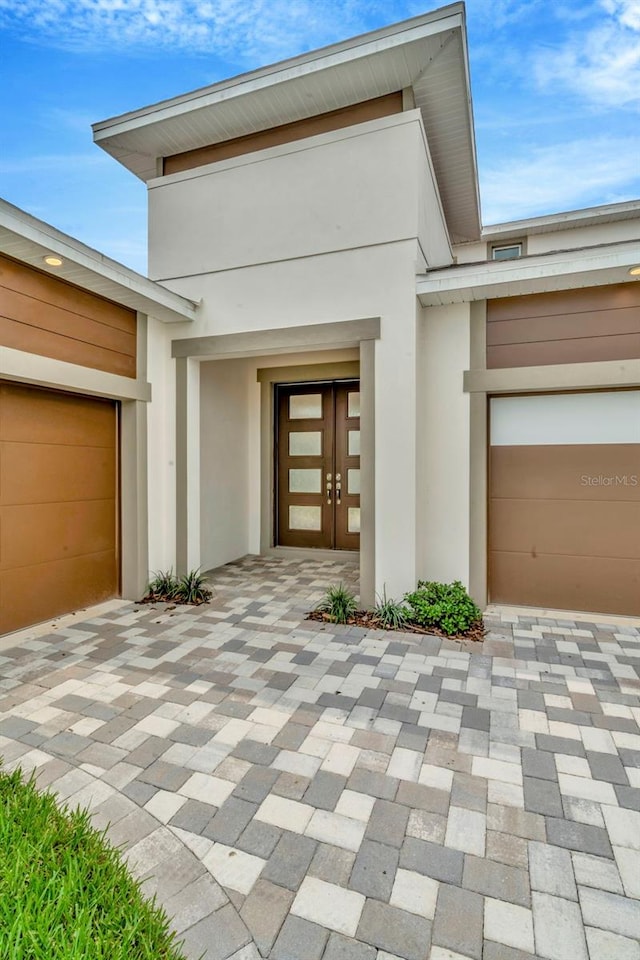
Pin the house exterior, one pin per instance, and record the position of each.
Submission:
(331, 353)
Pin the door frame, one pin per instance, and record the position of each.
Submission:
(364, 371)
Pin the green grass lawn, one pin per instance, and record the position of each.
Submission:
(65, 893)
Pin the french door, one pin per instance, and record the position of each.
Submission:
(318, 465)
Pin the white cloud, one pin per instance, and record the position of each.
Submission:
(247, 29)
(560, 177)
(600, 63)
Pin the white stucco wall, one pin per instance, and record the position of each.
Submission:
(433, 237)
(584, 236)
(572, 238)
(224, 461)
(331, 229)
(443, 430)
(343, 190)
(161, 452)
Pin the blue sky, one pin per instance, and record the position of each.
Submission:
(555, 83)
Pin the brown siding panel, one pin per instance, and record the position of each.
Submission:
(571, 326)
(45, 315)
(58, 504)
(286, 133)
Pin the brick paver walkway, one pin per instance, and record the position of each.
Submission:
(296, 791)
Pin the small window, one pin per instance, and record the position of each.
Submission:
(506, 251)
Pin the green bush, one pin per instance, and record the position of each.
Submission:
(192, 588)
(65, 892)
(165, 587)
(339, 603)
(447, 606)
(390, 614)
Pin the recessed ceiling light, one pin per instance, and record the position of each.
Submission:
(635, 271)
(53, 261)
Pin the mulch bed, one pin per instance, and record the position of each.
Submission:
(157, 598)
(363, 618)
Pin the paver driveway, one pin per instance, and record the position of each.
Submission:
(297, 791)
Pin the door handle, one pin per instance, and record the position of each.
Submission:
(338, 488)
(329, 489)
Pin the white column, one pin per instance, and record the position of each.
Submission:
(444, 434)
(133, 498)
(187, 464)
(395, 483)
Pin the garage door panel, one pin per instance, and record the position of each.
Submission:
(569, 527)
(38, 416)
(584, 583)
(59, 548)
(50, 589)
(38, 533)
(48, 473)
(564, 501)
(566, 472)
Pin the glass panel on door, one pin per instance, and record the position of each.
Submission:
(305, 481)
(305, 406)
(308, 444)
(305, 518)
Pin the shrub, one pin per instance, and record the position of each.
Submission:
(192, 588)
(390, 614)
(339, 603)
(166, 587)
(447, 606)
(163, 586)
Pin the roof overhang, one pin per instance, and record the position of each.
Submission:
(569, 220)
(563, 270)
(29, 240)
(427, 54)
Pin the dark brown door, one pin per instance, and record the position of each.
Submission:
(318, 465)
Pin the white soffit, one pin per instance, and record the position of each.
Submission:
(29, 240)
(427, 53)
(566, 270)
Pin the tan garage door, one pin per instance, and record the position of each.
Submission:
(564, 513)
(58, 504)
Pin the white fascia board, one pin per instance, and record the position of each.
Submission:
(325, 58)
(588, 216)
(89, 268)
(587, 267)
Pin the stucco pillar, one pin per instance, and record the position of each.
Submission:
(187, 464)
(133, 499)
(395, 448)
(444, 430)
(367, 473)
